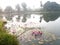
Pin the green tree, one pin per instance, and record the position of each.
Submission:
(2, 28)
(51, 6)
(8, 10)
(1, 12)
(50, 16)
(53, 10)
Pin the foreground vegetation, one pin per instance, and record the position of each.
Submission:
(5, 38)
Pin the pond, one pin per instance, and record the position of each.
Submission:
(51, 26)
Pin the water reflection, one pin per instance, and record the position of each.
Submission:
(51, 26)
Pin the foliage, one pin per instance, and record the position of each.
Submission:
(5, 38)
(2, 27)
(24, 5)
(53, 10)
(50, 16)
(51, 6)
(18, 9)
(8, 10)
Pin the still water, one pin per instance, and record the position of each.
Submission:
(51, 26)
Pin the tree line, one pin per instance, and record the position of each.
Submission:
(8, 11)
(52, 7)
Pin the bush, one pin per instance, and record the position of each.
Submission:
(2, 27)
(7, 39)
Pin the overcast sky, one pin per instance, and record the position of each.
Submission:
(30, 3)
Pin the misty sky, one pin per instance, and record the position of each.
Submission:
(30, 3)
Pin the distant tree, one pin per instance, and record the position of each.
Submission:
(1, 12)
(51, 6)
(29, 9)
(8, 10)
(41, 4)
(18, 9)
(54, 11)
(24, 6)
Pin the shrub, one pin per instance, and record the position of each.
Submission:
(2, 27)
(7, 39)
